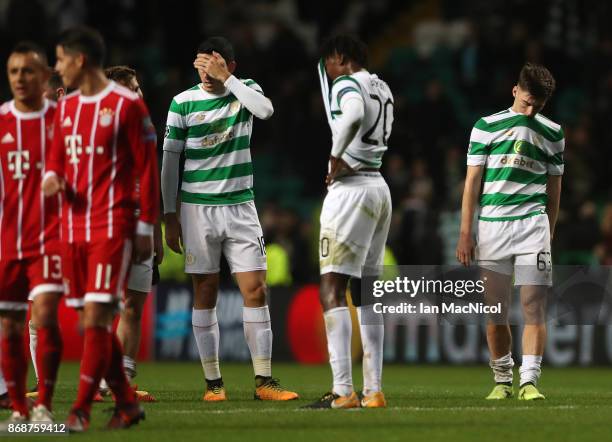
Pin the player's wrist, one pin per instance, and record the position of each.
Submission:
(230, 81)
(49, 174)
(144, 228)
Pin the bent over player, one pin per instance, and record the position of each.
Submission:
(103, 141)
(516, 156)
(355, 217)
(212, 123)
(30, 262)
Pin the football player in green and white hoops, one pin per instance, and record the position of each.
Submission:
(516, 157)
(355, 217)
(212, 123)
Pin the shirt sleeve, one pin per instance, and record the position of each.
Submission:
(142, 141)
(343, 89)
(556, 164)
(479, 147)
(55, 157)
(176, 129)
(250, 96)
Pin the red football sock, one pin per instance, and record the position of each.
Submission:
(116, 378)
(96, 356)
(15, 368)
(48, 355)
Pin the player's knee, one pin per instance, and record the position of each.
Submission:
(534, 310)
(44, 310)
(255, 296)
(332, 293)
(205, 289)
(12, 324)
(132, 308)
(96, 314)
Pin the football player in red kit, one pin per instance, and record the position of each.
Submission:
(30, 262)
(103, 142)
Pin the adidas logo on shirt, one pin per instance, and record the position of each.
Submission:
(8, 138)
(67, 122)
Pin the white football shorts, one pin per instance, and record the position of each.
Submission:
(522, 246)
(141, 276)
(209, 231)
(355, 221)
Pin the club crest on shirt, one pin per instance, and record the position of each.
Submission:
(235, 106)
(106, 117)
(8, 138)
(50, 131)
(518, 146)
(190, 258)
(201, 116)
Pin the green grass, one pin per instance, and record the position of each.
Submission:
(425, 404)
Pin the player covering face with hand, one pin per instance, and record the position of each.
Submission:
(516, 157)
(355, 217)
(211, 124)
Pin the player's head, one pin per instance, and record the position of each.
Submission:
(78, 50)
(28, 72)
(535, 86)
(344, 54)
(223, 47)
(55, 88)
(125, 76)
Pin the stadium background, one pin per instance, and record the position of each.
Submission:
(447, 62)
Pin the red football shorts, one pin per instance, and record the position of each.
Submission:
(24, 279)
(96, 271)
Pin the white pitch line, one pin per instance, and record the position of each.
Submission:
(426, 409)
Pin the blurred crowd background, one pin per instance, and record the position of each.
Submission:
(448, 62)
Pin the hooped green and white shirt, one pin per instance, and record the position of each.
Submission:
(518, 153)
(214, 131)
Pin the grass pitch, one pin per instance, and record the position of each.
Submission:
(425, 404)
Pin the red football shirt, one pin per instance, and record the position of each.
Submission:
(102, 145)
(29, 222)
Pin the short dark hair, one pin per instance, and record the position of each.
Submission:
(84, 40)
(121, 74)
(347, 46)
(537, 80)
(23, 47)
(220, 45)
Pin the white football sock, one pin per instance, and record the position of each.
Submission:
(530, 369)
(3, 389)
(372, 339)
(206, 332)
(33, 344)
(129, 366)
(103, 386)
(258, 334)
(338, 328)
(502, 368)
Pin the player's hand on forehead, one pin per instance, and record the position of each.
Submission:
(203, 61)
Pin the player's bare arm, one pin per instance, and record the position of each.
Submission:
(553, 190)
(465, 246)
